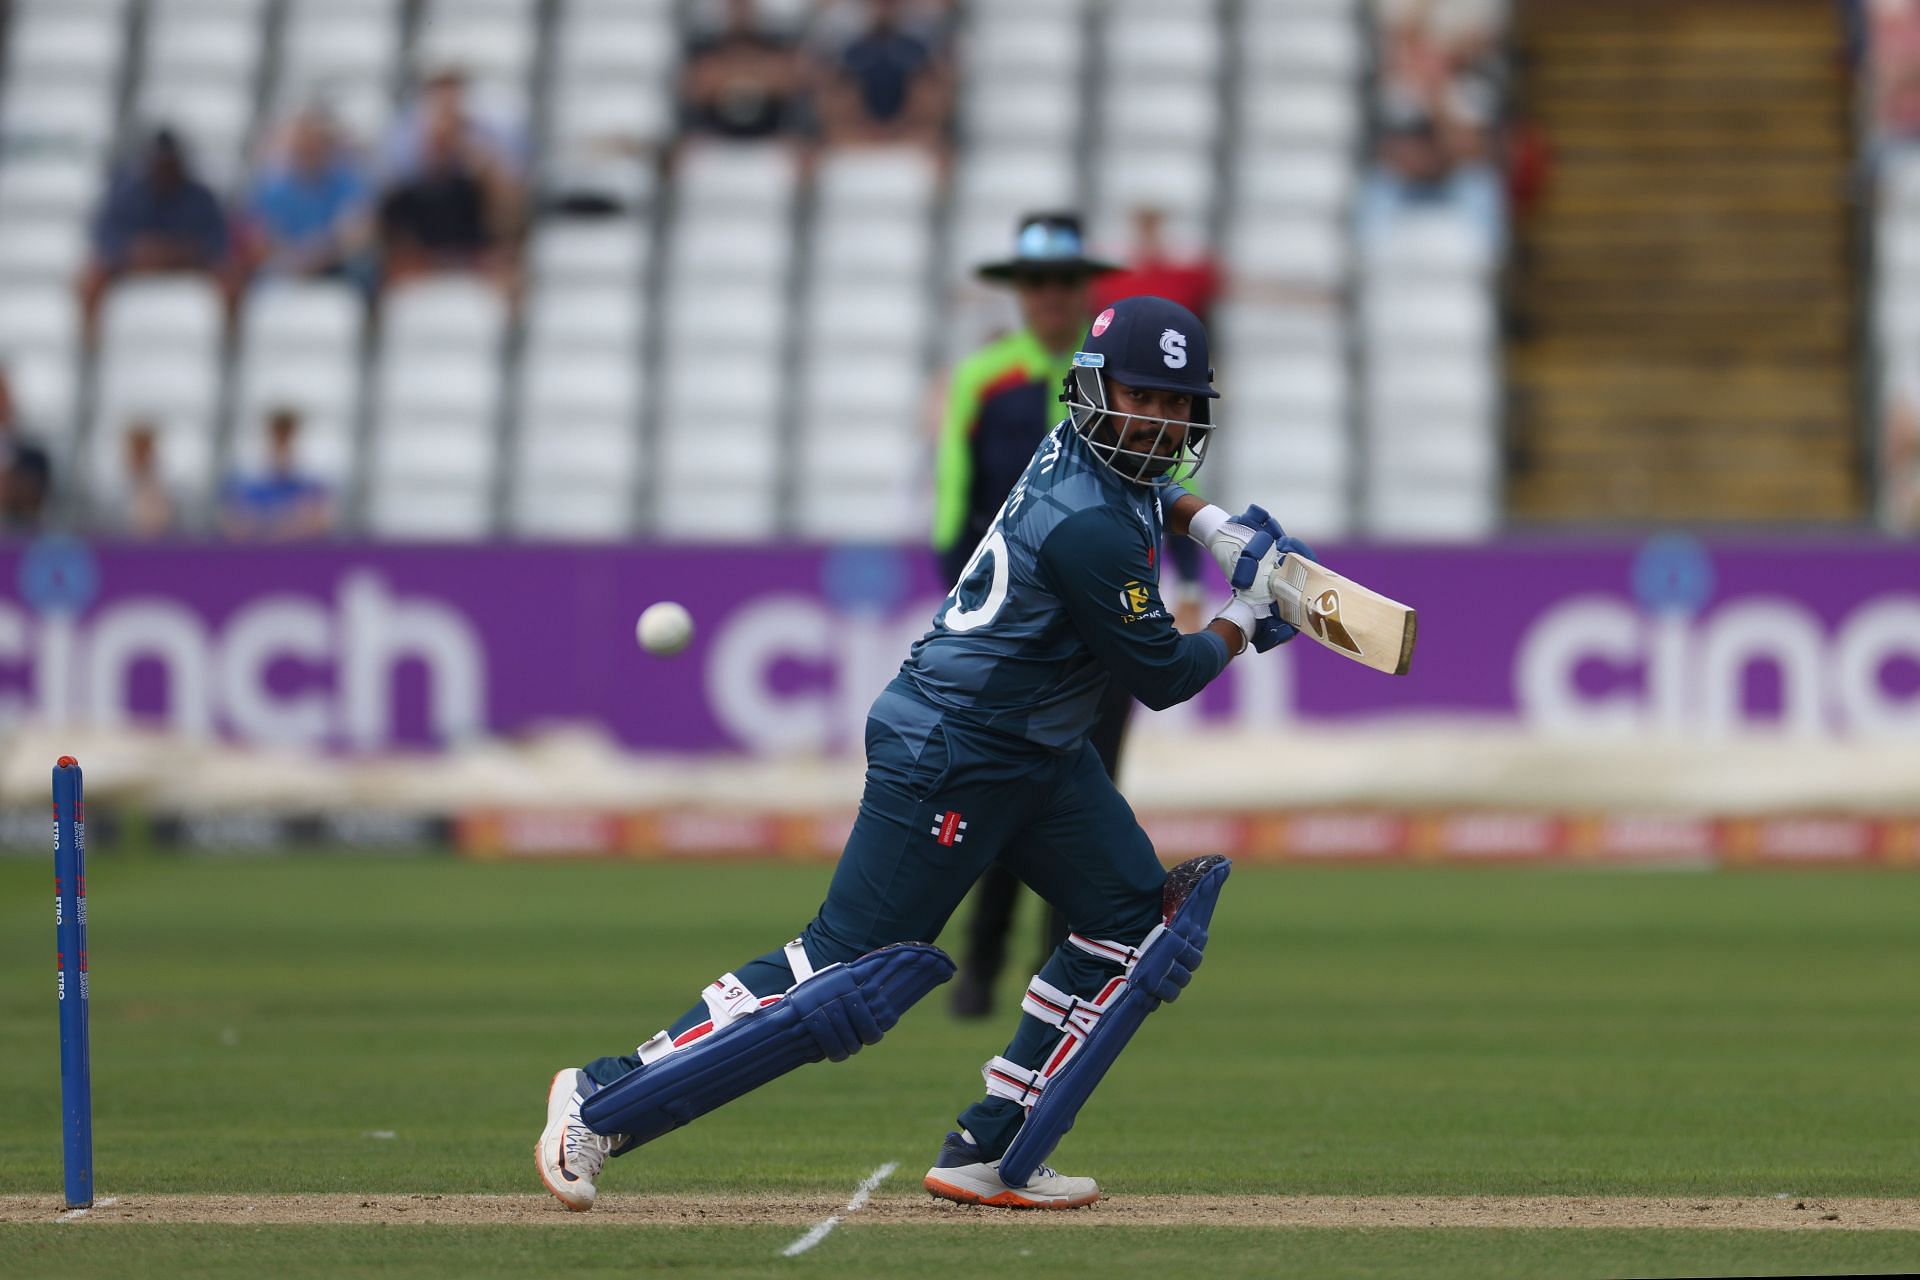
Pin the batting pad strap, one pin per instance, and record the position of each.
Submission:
(727, 999)
(1112, 952)
(1008, 1079)
(1075, 1015)
(656, 1048)
(797, 961)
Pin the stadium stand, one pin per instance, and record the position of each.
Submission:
(744, 328)
(1686, 345)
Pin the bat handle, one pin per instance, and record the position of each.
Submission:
(1289, 587)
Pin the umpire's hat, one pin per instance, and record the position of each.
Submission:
(1047, 244)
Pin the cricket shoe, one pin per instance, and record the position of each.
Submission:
(962, 1175)
(569, 1154)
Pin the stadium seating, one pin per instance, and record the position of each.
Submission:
(300, 349)
(739, 332)
(161, 345)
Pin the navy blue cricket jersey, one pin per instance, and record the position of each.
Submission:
(1062, 595)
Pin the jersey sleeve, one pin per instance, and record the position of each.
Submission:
(1097, 562)
(953, 459)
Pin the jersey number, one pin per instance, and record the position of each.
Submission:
(959, 618)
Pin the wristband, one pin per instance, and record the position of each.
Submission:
(1207, 523)
(1241, 614)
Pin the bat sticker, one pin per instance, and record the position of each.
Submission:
(1324, 617)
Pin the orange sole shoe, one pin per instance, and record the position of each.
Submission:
(1011, 1198)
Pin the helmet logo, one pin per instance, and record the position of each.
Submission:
(1101, 321)
(1174, 343)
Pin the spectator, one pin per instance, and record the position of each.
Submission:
(146, 509)
(451, 215)
(280, 505)
(1437, 105)
(442, 104)
(26, 472)
(308, 208)
(158, 216)
(743, 82)
(1893, 52)
(1192, 281)
(888, 85)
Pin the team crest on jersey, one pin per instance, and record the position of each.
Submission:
(950, 828)
(1174, 344)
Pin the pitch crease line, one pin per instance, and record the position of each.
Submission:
(820, 1230)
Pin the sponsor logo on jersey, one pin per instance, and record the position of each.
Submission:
(1174, 344)
(1134, 597)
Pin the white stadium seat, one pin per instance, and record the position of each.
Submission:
(304, 315)
(41, 250)
(445, 312)
(44, 317)
(738, 177)
(590, 250)
(38, 110)
(718, 248)
(586, 317)
(878, 247)
(170, 311)
(1184, 46)
(86, 45)
(877, 178)
(612, 43)
(593, 386)
(55, 183)
(438, 385)
(1295, 249)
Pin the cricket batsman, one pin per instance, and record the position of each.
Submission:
(1000, 402)
(977, 754)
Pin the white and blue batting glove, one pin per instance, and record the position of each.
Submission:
(1227, 537)
(1251, 607)
(1258, 543)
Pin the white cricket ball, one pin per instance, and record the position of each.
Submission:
(664, 628)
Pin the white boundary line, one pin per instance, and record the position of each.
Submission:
(820, 1230)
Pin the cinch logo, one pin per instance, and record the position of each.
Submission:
(283, 669)
(1134, 598)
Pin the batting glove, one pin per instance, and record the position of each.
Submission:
(1224, 535)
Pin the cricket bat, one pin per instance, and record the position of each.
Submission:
(1343, 615)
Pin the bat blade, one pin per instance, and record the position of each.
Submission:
(1349, 619)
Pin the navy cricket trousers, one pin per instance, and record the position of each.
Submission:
(1053, 819)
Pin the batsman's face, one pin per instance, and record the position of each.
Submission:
(1162, 439)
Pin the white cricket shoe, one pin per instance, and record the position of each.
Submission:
(962, 1176)
(569, 1154)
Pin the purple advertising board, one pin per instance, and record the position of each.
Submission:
(369, 648)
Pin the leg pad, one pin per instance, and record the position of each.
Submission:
(828, 1015)
(1095, 1031)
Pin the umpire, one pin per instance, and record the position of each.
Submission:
(1000, 401)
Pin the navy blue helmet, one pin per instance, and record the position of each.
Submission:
(1147, 343)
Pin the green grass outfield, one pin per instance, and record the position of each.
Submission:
(388, 1027)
